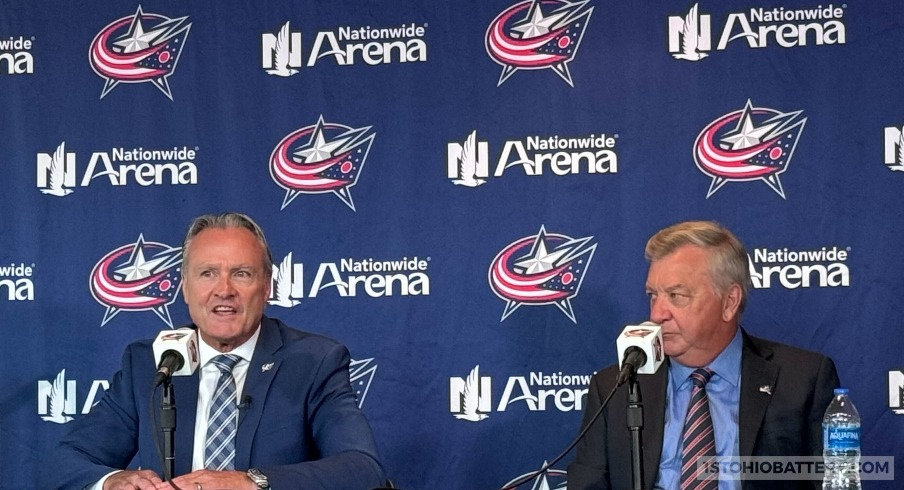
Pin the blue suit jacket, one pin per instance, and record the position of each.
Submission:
(302, 427)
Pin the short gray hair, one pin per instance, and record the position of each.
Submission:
(728, 262)
(222, 221)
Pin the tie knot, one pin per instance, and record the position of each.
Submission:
(701, 376)
(225, 362)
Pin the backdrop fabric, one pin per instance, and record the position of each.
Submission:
(458, 191)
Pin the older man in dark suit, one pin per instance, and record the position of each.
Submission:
(722, 392)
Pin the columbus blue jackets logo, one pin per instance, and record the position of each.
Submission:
(361, 375)
(138, 276)
(754, 143)
(137, 49)
(541, 269)
(550, 479)
(322, 158)
(538, 35)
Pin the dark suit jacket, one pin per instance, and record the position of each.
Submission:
(302, 428)
(787, 422)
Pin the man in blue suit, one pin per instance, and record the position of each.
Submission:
(296, 422)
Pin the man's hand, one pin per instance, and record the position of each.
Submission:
(210, 480)
(133, 480)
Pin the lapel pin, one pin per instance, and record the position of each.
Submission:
(766, 389)
(269, 366)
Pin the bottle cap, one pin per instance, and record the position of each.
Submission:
(841, 391)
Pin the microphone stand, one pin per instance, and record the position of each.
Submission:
(635, 425)
(168, 427)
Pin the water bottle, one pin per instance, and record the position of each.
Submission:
(841, 444)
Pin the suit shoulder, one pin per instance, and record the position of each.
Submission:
(784, 353)
(140, 349)
(604, 379)
(295, 338)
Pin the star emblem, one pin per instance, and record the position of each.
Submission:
(318, 148)
(547, 479)
(136, 39)
(138, 267)
(539, 259)
(535, 24)
(746, 134)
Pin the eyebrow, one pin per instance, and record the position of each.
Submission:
(668, 289)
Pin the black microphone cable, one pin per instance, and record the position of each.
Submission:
(521, 481)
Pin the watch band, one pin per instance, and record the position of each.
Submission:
(259, 479)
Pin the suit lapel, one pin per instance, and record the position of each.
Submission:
(261, 371)
(653, 430)
(758, 377)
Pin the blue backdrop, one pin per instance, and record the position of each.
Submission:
(452, 189)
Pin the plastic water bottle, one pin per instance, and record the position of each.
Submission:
(841, 444)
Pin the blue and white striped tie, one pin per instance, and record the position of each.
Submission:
(219, 450)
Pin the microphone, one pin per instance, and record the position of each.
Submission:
(640, 350)
(176, 354)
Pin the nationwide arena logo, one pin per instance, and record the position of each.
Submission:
(690, 35)
(58, 399)
(16, 57)
(896, 391)
(823, 267)
(17, 281)
(57, 175)
(754, 143)
(541, 269)
(350, 277)
(471, 398)
(321, 158)
(538, 35)
(894, 148)
(281, 53)
(468, 164)
(138, 276)
(137, 49)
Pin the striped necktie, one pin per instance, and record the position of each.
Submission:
(699, 441)
(219, 450)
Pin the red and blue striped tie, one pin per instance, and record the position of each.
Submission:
(699, 441)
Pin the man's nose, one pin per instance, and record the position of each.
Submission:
(223, 287)
(659, 311)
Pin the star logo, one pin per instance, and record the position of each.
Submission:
(137, 49)
(138, 276)
(322, 158)
(754, 143)
(550, 479)
(538, 35)
(541, 269)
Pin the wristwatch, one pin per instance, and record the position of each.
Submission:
(259, 479)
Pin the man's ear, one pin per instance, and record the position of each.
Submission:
(731, 302)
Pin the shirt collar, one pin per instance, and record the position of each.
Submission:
(727, 365)
(244, 351)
